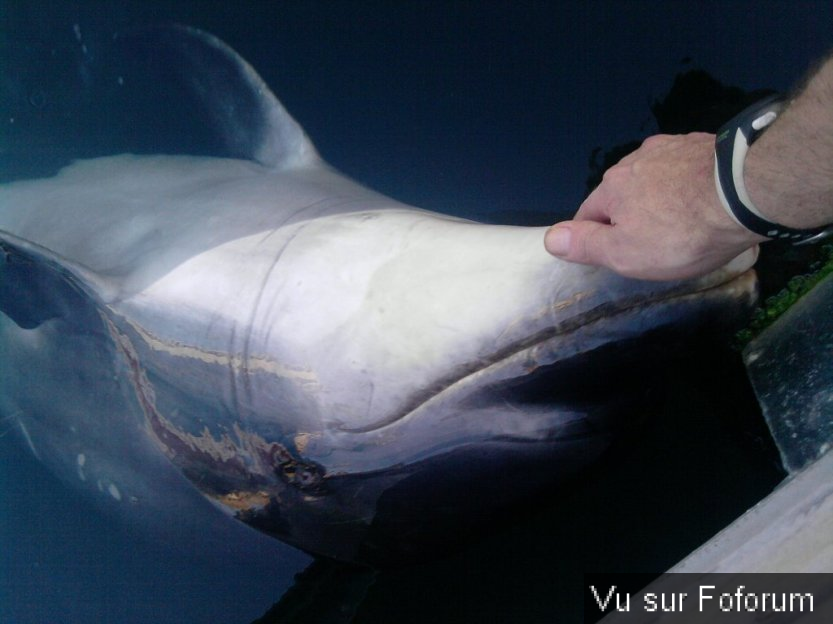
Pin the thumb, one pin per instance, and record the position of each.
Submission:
(586, 242)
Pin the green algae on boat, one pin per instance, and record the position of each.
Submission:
(773, 307)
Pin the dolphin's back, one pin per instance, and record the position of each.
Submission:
(138, 217)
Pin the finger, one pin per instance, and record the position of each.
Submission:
(586, 242)
(596, 207)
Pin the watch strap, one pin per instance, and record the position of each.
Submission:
(731, 145)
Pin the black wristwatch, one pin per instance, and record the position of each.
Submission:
(730, 147)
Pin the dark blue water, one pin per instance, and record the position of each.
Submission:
(486, 110)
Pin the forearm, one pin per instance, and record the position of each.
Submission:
(789, 171)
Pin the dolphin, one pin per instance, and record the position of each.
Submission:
(256, 333)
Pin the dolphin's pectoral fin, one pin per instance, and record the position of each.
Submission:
(36, 285)
(251, 122)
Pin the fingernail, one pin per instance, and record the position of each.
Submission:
(557, 241)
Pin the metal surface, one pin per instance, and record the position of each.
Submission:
(791, 368)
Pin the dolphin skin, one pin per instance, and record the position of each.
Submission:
(351, 375)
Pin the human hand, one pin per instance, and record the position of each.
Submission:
(656, 215)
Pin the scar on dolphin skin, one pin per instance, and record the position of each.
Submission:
(236, 482)
(238, 362)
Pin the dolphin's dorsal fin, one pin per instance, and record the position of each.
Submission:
(252, 123)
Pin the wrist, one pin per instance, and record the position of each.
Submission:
(783, 185)
(717, 221)
(732, 168)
